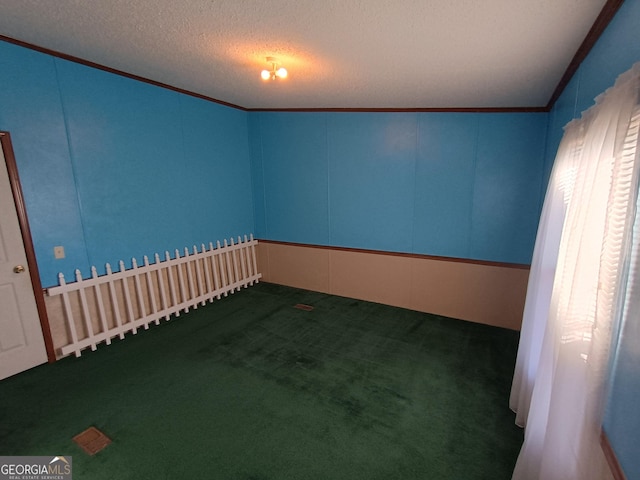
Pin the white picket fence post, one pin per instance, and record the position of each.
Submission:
(201, 277)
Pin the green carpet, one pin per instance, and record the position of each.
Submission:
(250, 387)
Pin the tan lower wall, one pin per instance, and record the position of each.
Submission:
(483, 293)
(489, 294)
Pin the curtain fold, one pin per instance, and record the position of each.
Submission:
(574, 296)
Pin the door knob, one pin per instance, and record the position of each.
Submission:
(18, 269)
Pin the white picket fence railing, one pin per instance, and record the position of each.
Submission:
(100, 308)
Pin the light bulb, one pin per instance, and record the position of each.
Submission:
(266, 74)
(282, 72)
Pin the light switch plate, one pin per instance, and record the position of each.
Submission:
(58, 252)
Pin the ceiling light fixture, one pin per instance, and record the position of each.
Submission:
(275, 72)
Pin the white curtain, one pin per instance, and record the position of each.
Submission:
(576, 289)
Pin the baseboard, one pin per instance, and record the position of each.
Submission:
(612, 459)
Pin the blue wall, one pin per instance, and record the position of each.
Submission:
(614, 53)
(464, 185)
(112, 167)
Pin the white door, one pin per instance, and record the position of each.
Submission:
(21, 341)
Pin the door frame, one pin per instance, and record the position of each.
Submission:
(18, 200)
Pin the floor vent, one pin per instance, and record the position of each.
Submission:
(302, 306)
(92, 440)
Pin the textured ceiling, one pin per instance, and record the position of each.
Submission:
(339, 53)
